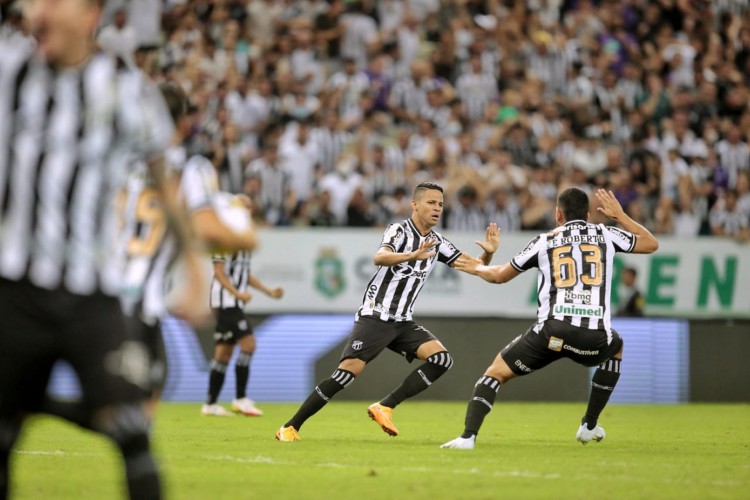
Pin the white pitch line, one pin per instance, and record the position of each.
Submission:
(56, 453)
(473, 471)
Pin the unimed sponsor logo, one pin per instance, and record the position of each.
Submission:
(578, 310)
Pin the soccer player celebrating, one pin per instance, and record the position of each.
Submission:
(408, 253)
(229, 294)
(575, 263)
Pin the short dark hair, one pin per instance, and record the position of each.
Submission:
(425, 186)
(176, 99)
(574, 204)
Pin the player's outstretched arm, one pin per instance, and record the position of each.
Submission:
(276, 292)
(190, 304)
(645, 241)
(490, 244)
(214, 232)
(387, 257)
(492, 274)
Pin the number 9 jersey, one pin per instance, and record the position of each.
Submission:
(575, 264)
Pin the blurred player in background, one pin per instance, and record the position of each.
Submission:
(229, 294)
(575, 263)
(407, 255)
(71, 122)
(150, 249)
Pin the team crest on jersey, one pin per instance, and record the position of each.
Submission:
(329, 273)
(357, 345)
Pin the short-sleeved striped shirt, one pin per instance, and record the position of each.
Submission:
(392, 291)
(67, 139)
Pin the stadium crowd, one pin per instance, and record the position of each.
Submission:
(328, 113)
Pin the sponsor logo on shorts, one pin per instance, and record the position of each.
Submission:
(242, 325)
(578, 297)
(222, 337)
(555, 344)
(357, 345)
(578, 310)
(580, 351)
(522, 366)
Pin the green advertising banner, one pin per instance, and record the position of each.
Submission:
(328, 271)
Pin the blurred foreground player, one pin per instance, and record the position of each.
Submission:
(70, 123)
(575, 263)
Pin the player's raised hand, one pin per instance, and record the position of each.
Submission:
(426, 249)
(276, 293)
(491, 239)
(466, 263)
(609, 204)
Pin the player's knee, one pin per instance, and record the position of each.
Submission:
(127, 425)
(353, 365)
(441, 359)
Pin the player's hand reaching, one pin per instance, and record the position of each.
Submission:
(244, 296)
(609, 204)
(276, 293)
(426, 249)
(466, 263)
(491, 239)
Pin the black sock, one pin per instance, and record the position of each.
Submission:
(420, 379)
(602, 384)
(128, 426)
(216, 380)
(4, 474)
(318, 398)
(485, 391)
(242, 373)
(140, 469)
(9, 432)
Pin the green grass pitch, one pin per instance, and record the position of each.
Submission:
(524, 451)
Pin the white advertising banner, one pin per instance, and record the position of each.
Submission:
(327, 270)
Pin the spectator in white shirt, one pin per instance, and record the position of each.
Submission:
(119, 38)
(299, 157)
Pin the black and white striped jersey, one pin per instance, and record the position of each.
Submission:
(66, 140)
(150, 249)
(237, 269)
(575, 264)
(392, 291)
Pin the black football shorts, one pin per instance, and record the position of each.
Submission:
(556, 339)
(231, 325)
(370, 336)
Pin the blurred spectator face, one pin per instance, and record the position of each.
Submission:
(730, 200)
(628, 277)
(120, 18)
(302, 133)
(230, 133)
(500, 198)
(435, 98)
(350, 66)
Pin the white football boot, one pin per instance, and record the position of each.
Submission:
(215, 410)
(460, 443)
(246, 407)
(584, 435)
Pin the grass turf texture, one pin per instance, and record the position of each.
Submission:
(524, 450)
